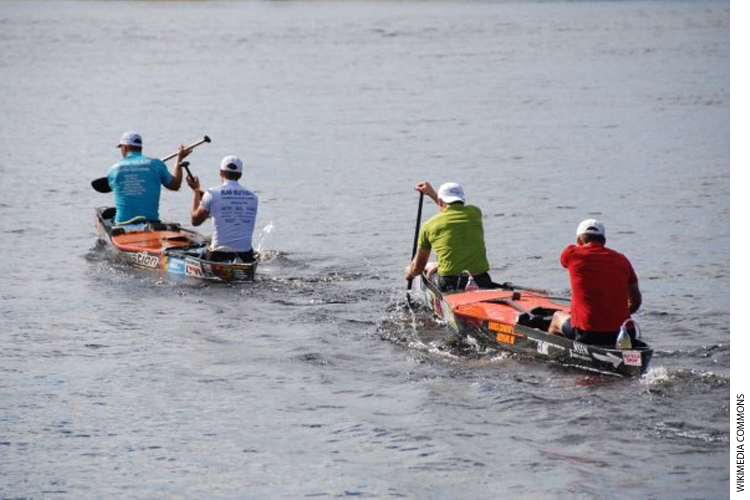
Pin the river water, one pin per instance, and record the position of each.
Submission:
(318, 380)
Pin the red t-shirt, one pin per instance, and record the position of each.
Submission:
(599, 279)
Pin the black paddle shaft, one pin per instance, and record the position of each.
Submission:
(185, 165)
(416, 236)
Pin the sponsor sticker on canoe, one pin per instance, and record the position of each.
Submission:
(505, 338)
(504, 334)
(543, 347)
(501, 327)
(144, 259)
(193, 268)
(631, 358)
(176, 266)
(608, 358)
(580, 349)
(235, 274)
(229, 273)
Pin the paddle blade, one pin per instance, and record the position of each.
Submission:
(101, 184)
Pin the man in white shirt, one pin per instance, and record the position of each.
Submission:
(233, 209)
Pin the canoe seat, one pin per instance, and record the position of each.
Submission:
(538, 317)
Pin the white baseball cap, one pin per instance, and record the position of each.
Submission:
(590, 226)
(450, 192)
(131, 139)
(231, 164)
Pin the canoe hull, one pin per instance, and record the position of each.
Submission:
(515, 321)
(169, 249)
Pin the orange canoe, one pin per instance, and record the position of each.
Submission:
(168, 248)
(515, 319)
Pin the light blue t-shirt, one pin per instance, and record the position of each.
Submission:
(136, 182)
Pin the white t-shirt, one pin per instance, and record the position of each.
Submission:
(233, 209)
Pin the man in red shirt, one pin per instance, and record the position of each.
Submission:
(604, 285)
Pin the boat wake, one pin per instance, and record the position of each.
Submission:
(409, 323)
(711, 352)
(665, 378)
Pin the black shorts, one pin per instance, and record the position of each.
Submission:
(455, 283)
(218, 256)
(608, 339)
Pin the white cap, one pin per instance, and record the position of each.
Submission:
(590, 226)
(231, 164)
(131, 139)
(450, 192)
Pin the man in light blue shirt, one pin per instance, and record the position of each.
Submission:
(136, 181)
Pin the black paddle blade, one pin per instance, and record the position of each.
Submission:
(101, 184)
(206, 138)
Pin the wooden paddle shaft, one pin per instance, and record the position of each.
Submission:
(102, 184)
(205, 139)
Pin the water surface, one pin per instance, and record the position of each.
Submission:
(317, 380)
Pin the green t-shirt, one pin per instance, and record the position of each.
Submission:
(457, 237)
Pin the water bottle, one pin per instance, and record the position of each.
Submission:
(471, 285)
(623, 337)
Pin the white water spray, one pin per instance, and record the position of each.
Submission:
(264, 233)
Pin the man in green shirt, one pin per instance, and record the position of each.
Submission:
(457, 236)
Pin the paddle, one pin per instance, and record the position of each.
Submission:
(510, 286)
(416, 239)
(102, 184)
(534, 291)
(185, 165)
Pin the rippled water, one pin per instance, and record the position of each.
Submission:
(317, 379)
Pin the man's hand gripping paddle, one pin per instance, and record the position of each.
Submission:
(102, 184)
